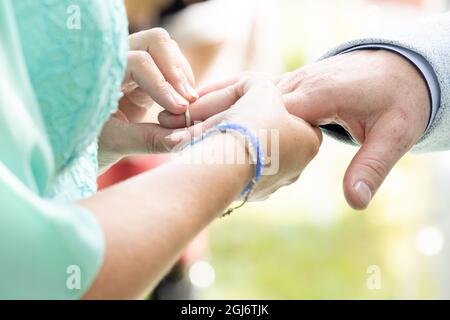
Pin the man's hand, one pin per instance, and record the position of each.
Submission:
(377, 96)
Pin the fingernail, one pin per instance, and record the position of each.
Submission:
(180, 100)
(363, 192)
(188, 88)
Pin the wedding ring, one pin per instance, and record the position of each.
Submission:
(188, 119)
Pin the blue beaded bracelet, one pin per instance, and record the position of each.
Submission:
(254, 148)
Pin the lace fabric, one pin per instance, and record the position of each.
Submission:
(76, 74)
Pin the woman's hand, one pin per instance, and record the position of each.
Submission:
(148, 219)
(158, 72)
(257, 104)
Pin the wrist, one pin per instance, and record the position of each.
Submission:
(222, 151)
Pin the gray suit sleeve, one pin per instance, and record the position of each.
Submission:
(430, 39)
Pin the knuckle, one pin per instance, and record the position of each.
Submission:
(377, 168)
(160, 35)
(177, 72)
(232, 92)
(151, 141)
(309, 94)
(142, 58)
(317, 86)
(294, 178)
(243, 80)
(161, 86)
(291, 80)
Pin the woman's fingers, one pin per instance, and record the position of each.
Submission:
(143, 70)
(131, 112)
(188, 71)
(127, 138)
(135, 104)
(169, 59)
(182, 136)
(140, 98)
(203, 108)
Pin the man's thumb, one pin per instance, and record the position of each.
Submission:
(380, 151)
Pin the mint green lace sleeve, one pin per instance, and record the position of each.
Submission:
(75, 52)
(48, 249)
